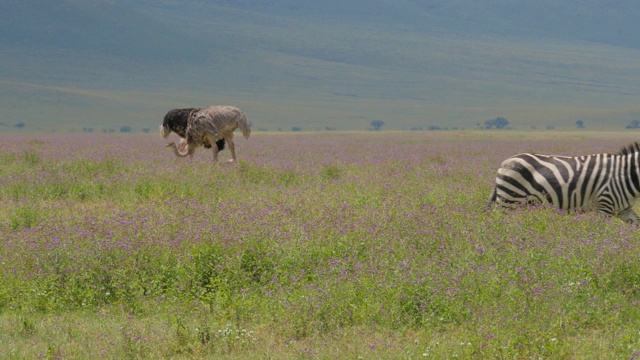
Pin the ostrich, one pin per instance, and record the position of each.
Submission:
(213, 124)
(176, 120)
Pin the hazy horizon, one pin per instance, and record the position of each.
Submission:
(73, 65)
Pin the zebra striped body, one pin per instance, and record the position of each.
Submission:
(609, 183)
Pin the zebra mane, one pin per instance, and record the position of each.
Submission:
(630, 149)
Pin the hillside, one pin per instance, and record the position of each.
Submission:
(413, 64)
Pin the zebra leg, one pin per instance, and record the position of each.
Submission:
(629, 216)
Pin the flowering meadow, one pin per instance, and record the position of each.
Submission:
(373, 245)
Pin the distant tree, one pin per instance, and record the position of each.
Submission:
(635, 124)
(146, 130)
(501, 123)
(125, 129)
(550, 127)
(580, 124)
(296, 128)
(87, 129)
(20, 125)
(377, 124)
(498, 123)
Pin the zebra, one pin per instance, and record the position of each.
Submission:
(608, 183)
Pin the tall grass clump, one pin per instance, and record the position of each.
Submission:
(313, 246)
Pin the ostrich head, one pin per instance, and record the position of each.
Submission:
(179, 149)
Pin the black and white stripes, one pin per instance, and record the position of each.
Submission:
(609, 183)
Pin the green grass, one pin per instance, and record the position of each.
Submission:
(312, 246)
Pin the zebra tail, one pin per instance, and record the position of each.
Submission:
(493, 197)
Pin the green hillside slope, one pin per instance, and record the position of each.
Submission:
(102, 65)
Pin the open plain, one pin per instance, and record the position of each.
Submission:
(314, 245)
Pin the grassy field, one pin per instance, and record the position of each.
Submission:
(314, 245)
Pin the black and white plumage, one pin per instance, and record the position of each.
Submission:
(176, 120)
(609, 183)
(212, 124)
